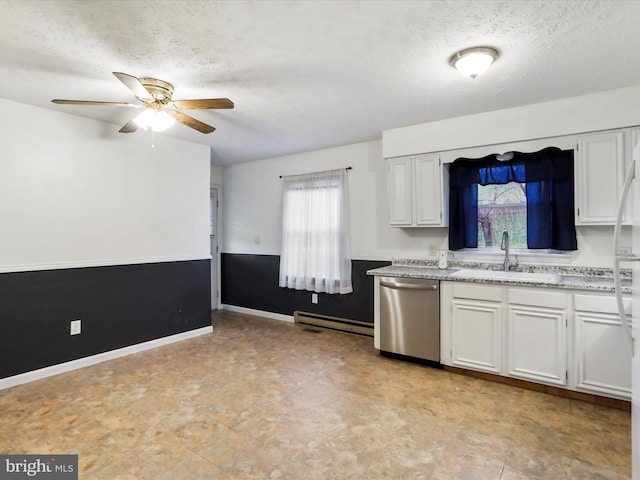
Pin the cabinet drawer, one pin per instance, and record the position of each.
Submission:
(475, 291)
(536, 298)
(600, 304)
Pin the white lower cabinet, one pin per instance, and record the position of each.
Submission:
(602, 355)
(556, 337)
(476, 335)
(537, 336)
(476, 326)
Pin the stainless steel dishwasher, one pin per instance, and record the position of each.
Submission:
(410, 317)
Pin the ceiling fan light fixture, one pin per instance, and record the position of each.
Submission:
(474, 61)
(156, 120)
(160, 111)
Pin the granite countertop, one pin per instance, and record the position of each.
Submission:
(567, 277)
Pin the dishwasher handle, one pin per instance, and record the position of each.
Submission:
(408, 286)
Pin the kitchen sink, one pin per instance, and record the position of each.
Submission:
(512, 276)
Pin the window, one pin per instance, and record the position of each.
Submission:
(546, 180)
(316, 247)
(500, 208)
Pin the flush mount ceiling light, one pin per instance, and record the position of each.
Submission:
(473, 61)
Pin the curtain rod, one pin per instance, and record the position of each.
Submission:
(346, 168)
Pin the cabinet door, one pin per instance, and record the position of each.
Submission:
(603, 358)
(536, 346)
(400, 191)
(476, 335)
(428, 190)
(600, 168)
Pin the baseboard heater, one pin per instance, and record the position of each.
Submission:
(333, 323)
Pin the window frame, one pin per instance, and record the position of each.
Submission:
(550, 195)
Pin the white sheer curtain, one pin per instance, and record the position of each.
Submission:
(316, 245)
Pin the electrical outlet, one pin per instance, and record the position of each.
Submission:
(76, 327)
(624, 251)
(431, 250)
(314, 298)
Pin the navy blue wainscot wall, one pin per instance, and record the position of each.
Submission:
(251, 281)
(119, 306)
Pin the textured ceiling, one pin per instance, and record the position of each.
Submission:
(312, 74)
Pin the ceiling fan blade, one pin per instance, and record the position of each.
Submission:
(204, 103)
(129, 127)
(91, 102)
(191, 122)
(134, 84)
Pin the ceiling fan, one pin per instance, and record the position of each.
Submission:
(161, 110)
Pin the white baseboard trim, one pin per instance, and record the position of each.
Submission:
(99, 358)
(259, 313)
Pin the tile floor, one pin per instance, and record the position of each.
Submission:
(262, 399)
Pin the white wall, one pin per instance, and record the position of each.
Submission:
(75, 192)
(217, 174)
(253, 190)
(253, 203)
(587, 113)
(595, 246)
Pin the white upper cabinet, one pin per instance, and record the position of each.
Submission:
(415, 191)
(418, 185)
(600, 169)
(400, 191)
(428, 191)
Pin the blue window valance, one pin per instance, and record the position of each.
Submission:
(548, 176)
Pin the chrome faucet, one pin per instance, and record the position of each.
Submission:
(505, 247)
